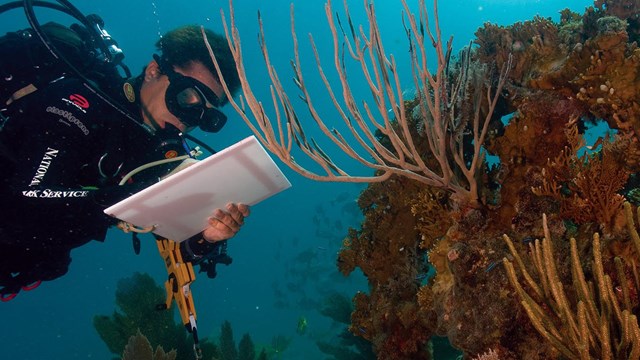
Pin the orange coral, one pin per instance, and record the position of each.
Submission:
(387, 251)
(564, 76)
(139, 348)
(624, 9)
(534, 45)
(388, 237)
(598, 180)
(587, 186)
(534, 132)
(603, 74)
(430, 209)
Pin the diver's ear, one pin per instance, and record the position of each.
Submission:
(152, 71)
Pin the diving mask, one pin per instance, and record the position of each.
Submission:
(191, 101)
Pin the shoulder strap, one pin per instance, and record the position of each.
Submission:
(26, 64)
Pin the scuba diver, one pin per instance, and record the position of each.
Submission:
(71, 126)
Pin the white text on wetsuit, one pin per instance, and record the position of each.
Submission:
(44, 166)
(69, 116)
(48, 193)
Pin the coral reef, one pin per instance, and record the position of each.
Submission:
(139, 348)
(279, 344)
(337, 307)
(137, 298)
(585, 196)
(348, 346)
(628, 10)
(594, 321)
(527, 95)
(388, 252)
(228, 350)
(566, 78)
(245, 349)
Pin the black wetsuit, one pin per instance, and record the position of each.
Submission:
(62, 153)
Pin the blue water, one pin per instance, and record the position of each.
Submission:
(310, 219)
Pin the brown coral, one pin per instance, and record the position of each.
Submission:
(139, 348)
(533, 133)
(534, 45)
(588, 187)
(623, 9)
(565, 76)
(582, 319)
(387, 251)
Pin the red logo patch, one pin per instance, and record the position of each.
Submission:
(79, 100)
(170, 154)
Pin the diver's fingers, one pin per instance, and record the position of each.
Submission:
(244, 209)
(231, 218)
(218, 229)
(238, 212)
(222, 220)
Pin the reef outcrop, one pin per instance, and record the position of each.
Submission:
(435, 265)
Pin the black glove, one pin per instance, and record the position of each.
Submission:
(198, 251)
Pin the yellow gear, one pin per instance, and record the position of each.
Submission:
(178, 288)
(181, 275)
(178, 284)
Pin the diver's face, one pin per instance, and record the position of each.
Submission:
(154, 87)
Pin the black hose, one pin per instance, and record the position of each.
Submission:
(17, 4)
(68, 8)
(73, 11)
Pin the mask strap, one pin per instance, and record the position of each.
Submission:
(162, 64)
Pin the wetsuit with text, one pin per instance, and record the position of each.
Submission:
(62, 152)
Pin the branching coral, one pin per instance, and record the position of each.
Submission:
(228, 348)
(429, 207)
(621, 8)
(633, 233)
(136, 299)
(539, 171)
(561, 81)
(437, 196)
(246, 349)
(595, 188)
(389, 237)
(582, 320)
(139, 348)
(534, 132)
(588, 186)
(337, 307)
(348, 346)
(456, 107)
(533, 43)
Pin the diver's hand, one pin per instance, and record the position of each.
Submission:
(224, 224)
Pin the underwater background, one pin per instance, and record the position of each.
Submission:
(284, 259)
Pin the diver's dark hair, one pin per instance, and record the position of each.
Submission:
(185, 44)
